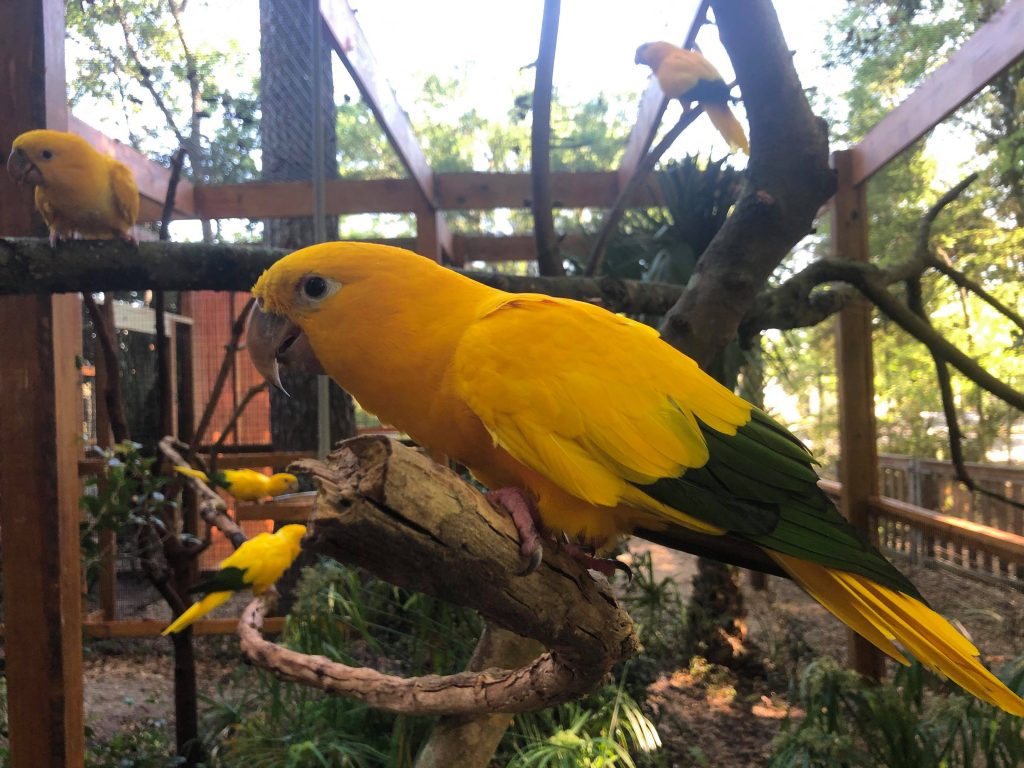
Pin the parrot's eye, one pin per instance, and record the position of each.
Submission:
(47, 154)
(314, 287)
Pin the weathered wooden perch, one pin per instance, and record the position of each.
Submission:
(391, 510)
(29, 265)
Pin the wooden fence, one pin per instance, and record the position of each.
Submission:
(925, 514)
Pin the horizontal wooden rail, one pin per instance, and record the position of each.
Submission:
(153, 627)
(452, 191)
(293, 509)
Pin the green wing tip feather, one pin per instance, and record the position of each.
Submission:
(228, 579)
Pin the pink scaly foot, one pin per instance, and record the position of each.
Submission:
(523, 512)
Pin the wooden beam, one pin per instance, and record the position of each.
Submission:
(153, 627)
(151, 177)
(470, 248)
(855, 371)
(990, 51)
(455, 191)
(349, 41)
(39, 427)
(652, 108)
(433, 238)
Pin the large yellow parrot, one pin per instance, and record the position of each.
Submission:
(255, 565)
(688, 76)
(77, 188)
(601, 423)
(246, 484)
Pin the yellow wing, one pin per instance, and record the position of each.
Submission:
(595, 407)
(126, 196)
(262, 559)
(681, 70)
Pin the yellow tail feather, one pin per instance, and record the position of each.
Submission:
(192, 473)
(727, 124)
(196, 611)
(883, 615)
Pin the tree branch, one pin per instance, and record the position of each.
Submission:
(29, 265)
(548, 260)
(962, 280)
(643, 171)
(378, 497)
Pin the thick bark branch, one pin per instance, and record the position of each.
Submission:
(29, 265)
(377, 498)
(788, 181)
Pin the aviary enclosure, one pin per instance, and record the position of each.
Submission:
(184, 397)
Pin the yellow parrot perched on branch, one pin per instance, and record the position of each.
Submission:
(601, 426)
(77, 188)
(688, 76)
(255, 565)
(246, 484)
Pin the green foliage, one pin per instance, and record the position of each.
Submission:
(129, 495)
(898, 724)
(606, 729)
(349, 617)
(143, 744)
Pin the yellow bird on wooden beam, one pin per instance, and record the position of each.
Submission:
(78, 190)
(245, 484)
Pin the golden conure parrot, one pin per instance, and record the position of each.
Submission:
(607, 427)
(77, 188)
(688, 76)
(255, 565)
(246, 484)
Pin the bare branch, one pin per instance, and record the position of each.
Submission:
(960, 279)
(254, 390)
(643, 171)
(548, 260)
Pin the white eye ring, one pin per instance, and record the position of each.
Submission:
(315, 288)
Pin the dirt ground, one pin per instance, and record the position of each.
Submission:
(701, 722)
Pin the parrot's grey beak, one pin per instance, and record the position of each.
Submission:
(23, 170)
(272, 341)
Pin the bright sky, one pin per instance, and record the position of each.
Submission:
(488, 44)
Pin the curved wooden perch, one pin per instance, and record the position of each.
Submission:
(391, 510)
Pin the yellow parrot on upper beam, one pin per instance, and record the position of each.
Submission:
(688, 76)
(77, 188)
(605, 426)
(246, 484)
(255, 565)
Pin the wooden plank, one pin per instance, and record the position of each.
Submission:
(151, 177)
(652, 109)
(433, 238)
(350, 43)
(455, 191)
(490, 249)
(296, 509)
(293, 199)
(153, 628)
(252, 459)
(855, 372)
(989, 52)
(38, 432)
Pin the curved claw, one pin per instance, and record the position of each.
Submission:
(618, 565)
(536, 557)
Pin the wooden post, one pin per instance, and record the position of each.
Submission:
(39, 427)
(858, 469)
(858, 465)
(104, 439)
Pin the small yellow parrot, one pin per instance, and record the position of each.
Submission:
(688, 76)
(255, 565)
(77, 188)
(595, 419)
(246, 484)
